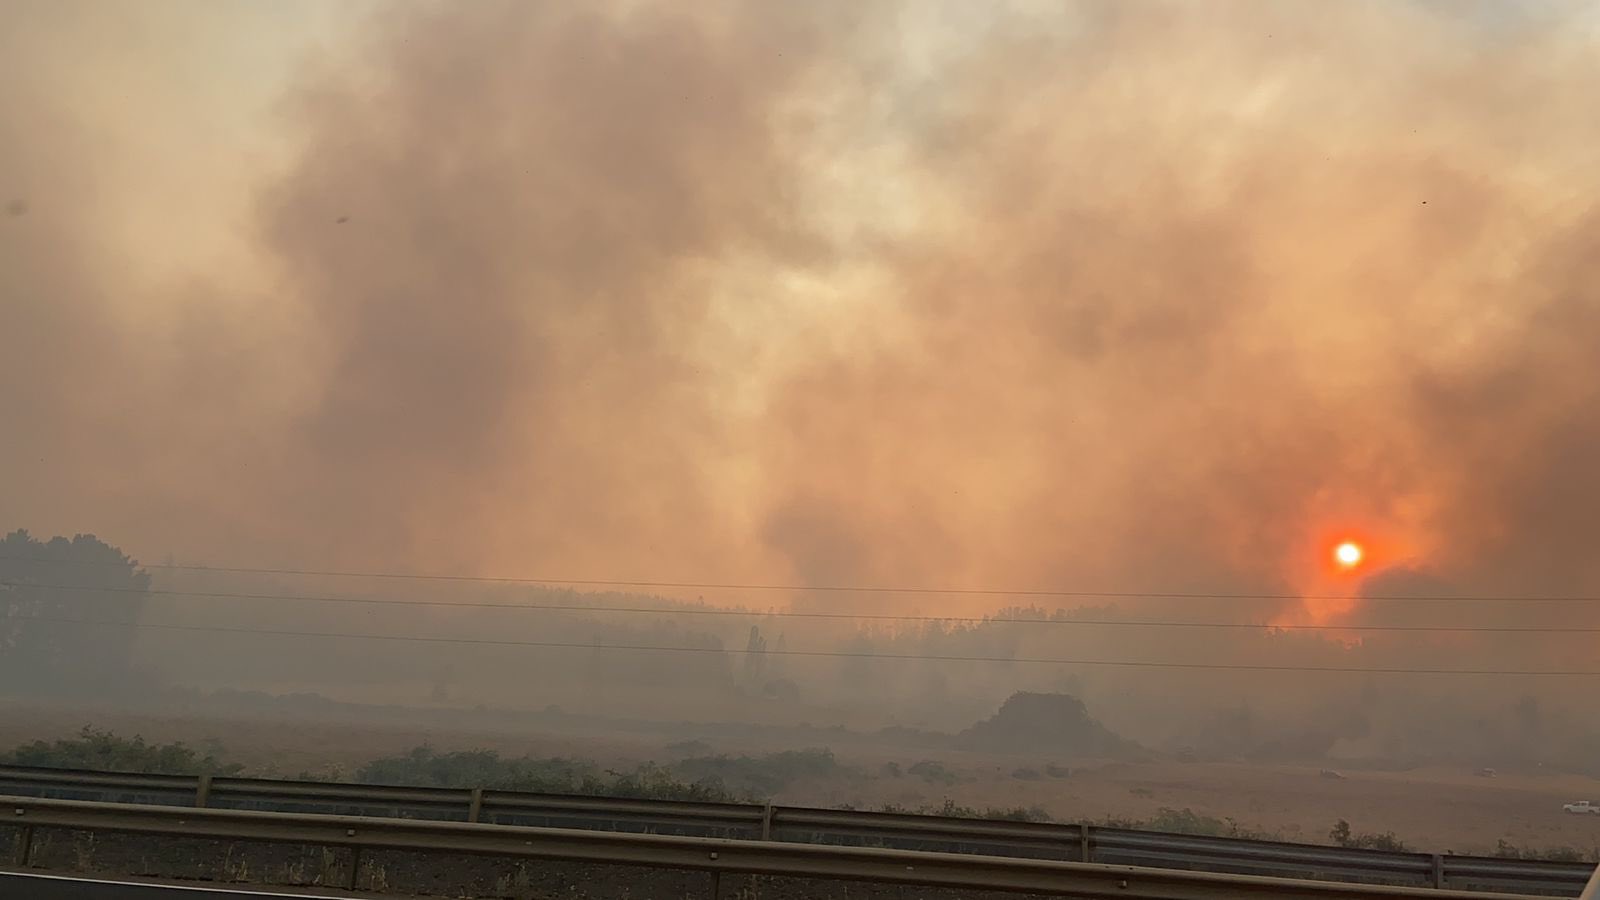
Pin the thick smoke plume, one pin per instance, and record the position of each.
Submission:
(1106, 296)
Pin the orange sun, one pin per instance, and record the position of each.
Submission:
(1348, 554)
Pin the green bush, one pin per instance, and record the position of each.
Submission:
(105, 751)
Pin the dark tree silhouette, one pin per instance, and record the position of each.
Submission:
(65, 608)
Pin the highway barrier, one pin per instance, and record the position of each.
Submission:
(843, 828)
(717, 857)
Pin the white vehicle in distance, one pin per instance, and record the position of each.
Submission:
(1582, 807)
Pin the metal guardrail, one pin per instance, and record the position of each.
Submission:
(687, 818)
(718, 856)
(115, 787)
(1527, 875)
(1247, 857)
(1592, 890)
(907, 831)
(847, 828)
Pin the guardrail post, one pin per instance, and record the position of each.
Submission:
(1438, 870)
(202, 791)
(475, 805)
(766, 823)
(24, 846)
(1085, 847)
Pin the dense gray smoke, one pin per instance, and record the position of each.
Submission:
(509, 256)
(1123, 297)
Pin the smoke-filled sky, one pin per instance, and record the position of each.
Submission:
(1095, 295)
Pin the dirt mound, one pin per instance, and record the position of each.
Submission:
(1044, 723)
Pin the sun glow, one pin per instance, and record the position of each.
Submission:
(1348, 554)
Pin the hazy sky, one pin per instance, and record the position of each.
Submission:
(1126, 296)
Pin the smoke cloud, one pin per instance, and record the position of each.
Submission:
(1101, 296)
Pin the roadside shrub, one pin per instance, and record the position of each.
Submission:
(105, 751)
(426, 767)
(1342, 835)
(653, 782)
(1017, 814)
(1187, 821)
(933, 772)
(956, 810)
(1508, 850)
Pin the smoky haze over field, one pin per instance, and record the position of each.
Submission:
(1091, 296)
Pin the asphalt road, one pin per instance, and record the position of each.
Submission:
(31, 886)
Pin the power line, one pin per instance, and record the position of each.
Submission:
(832, 654)
(802, 588)
(801, 614)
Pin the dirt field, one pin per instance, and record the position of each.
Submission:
(1431, 809)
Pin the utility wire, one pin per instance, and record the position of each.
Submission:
(802, 588)
(801, 614)
(832, 654)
